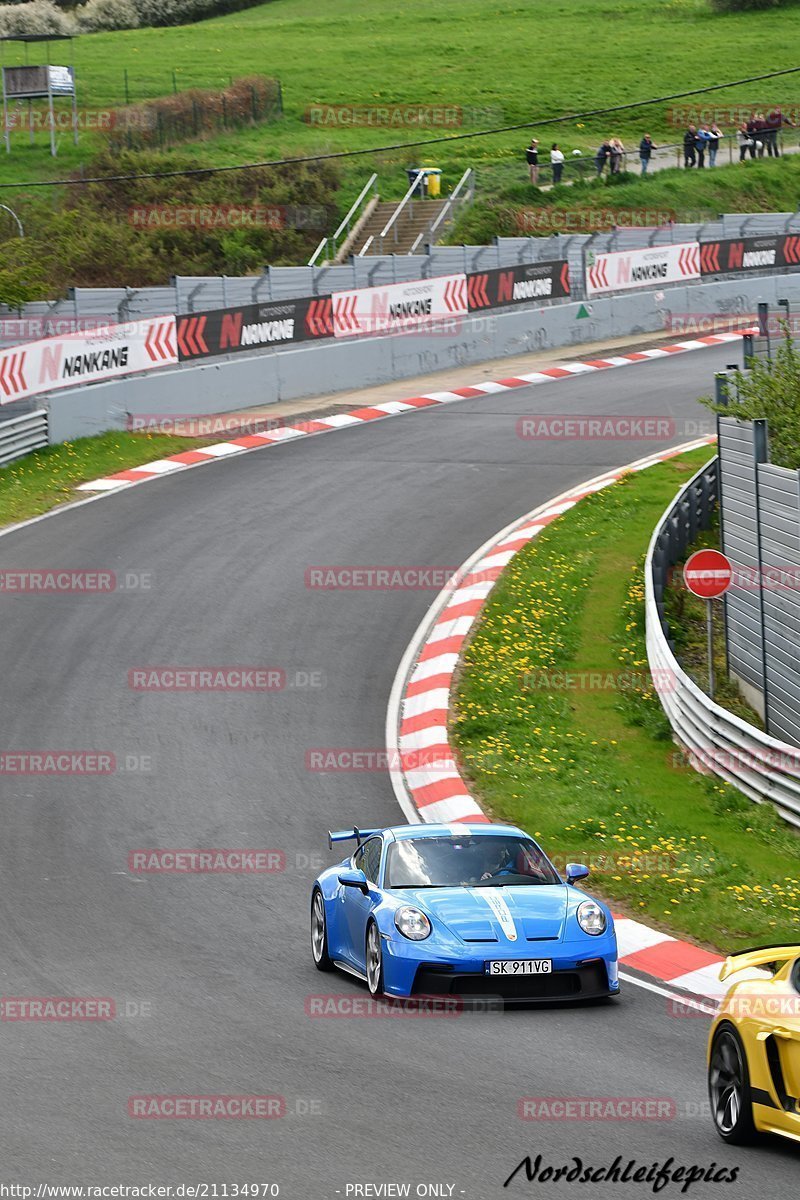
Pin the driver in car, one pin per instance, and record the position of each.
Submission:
(500, 862)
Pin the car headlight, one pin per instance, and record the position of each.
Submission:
(412, 923)
(591, 917)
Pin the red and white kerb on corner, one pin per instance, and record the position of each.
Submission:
(437, 789)
(390, 408)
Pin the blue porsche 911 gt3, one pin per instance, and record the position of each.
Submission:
(461, 910)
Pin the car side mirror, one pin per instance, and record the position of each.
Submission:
(355, 879)
(576, 871)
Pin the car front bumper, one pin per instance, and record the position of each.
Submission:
(581, 970)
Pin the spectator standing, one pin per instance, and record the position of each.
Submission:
(702, 139)
(602, 156)
(532, 156)
(690, 147)
(646, 148)
(745, 141)
(557, 159)
(617, 151)
(715, 136)
(775, 122)
(756, 127)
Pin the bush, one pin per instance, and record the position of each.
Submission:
(100, 235)
(770, 389)
(726, 6)
(184, 115)
(24, 269)
(40, 16)
(44, 16)
(183, 12)
(107, 14)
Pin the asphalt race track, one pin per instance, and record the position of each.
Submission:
(211, 973)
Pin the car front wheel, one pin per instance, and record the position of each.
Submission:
(374, 960)
(729, 1088)
(319, 933)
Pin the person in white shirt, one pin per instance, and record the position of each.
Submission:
(557, 159)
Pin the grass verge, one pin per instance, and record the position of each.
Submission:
(47, 478)
(511, 207)
(558, 728)
(686, 615)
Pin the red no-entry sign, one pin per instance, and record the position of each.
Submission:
(708, 574)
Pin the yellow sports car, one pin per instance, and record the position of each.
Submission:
(754, 1047)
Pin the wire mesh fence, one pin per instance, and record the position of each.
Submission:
(196, 113)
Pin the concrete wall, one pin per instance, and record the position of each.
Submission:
(321, 369)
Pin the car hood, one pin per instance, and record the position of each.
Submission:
(506, 915)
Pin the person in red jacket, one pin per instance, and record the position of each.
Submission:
(775, 121)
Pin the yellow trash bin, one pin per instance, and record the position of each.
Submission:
(434, 177)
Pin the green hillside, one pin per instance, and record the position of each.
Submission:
(515, 62)
(461, 65)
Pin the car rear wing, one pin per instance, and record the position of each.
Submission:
(350, 835)
(758, 956)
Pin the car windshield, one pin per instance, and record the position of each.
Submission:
(471, 861)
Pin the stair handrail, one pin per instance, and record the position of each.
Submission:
(407, 200)
(345, 223)
(468, 180)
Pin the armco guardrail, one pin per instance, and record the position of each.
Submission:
(202, 293)
(717, 741)
(20, 435)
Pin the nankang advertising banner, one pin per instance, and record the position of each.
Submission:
(419, 304)
(253, 327)
(735, 255)
(624, 269)
(105, 353)
(524, 283)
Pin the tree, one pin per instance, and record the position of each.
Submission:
(770, 388)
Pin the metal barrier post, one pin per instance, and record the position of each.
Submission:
(761, 455)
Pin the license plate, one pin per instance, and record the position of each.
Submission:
(520, 966)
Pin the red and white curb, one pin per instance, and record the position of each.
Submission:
(392, 408)
(425, 777)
